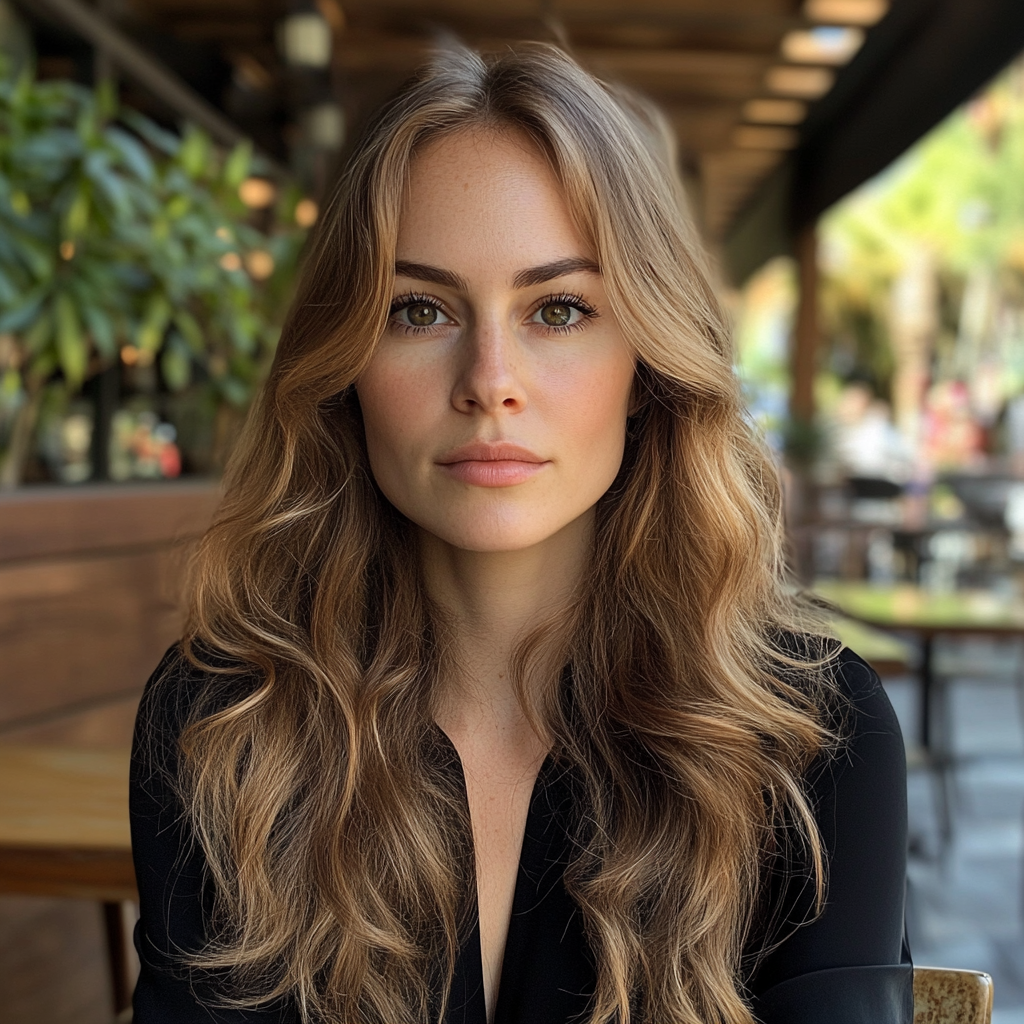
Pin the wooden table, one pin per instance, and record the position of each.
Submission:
(910, 609)
(885, 653)
(64, 832)
(906, 608)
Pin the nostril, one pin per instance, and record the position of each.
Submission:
(509, 402)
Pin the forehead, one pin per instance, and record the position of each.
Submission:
(485, 191)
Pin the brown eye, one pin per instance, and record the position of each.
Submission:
(409, 312)
(556, 314)
(421, 315)
(563, 311)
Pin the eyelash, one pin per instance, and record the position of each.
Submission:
(574, 301)
(562, 298)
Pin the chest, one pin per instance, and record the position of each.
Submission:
(499, 792)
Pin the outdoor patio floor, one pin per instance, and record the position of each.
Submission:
(966, 903)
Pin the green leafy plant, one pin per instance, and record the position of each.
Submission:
(120, 240)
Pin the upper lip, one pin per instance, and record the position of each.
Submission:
(483, 451)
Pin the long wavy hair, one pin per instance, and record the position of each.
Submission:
(339, 851)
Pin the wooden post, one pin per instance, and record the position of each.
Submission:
(803, 357)
(106, 385)
(103, 64)
(138, 64)
(806, 331)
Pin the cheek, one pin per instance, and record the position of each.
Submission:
(593, 404)
(398, 404)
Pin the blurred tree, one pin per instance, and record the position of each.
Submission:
(952, 210)
(120, 241)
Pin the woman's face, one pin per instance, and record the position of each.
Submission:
(495, 403)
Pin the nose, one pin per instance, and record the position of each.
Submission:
(490, 371)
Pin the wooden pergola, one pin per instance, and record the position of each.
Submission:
(780, 106)
(737, 78)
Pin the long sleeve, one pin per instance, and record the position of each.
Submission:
(174, 898)
(850, 965)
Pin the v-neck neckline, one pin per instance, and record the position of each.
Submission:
(470, 960)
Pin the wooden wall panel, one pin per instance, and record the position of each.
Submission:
(47, 521)
(108, 722)
(73, 631)
(90, 583)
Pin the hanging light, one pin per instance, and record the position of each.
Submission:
(324, 125)
(257, 193)
(304, 38)
(799, 82)
(846, 12)
(260, 264)
(827, 44)
(767, 111)
(306, 213)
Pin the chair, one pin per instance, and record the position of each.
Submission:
(945, 996)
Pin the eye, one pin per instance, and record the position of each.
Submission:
(563, 312)
(417, 312)
(558, 314)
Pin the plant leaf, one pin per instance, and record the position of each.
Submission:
(190, 331)
(22, 316)
(72, 347)
(237, 165)
(176, 363)
(154, 323)
(101, 328)
(37, 337)
(194, 154)
(132, 153)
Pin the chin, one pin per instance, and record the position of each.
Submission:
(492, 540)
(492, 533)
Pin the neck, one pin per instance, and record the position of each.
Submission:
(493, 599)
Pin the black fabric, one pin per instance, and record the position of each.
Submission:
(850, 965)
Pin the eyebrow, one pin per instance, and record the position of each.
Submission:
(425, 272)
(524, 279)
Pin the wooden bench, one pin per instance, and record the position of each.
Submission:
(64, 832)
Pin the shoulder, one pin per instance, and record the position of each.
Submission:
(862, 716)
(823, 966)
(178, 693)
(847, 691)
(860, 772)
(858, 793)
(858, 683)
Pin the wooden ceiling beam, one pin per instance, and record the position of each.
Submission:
(702, 127)
(678, 64)
(701, 60)
(728, 15)
(214, 30)
(268, 10)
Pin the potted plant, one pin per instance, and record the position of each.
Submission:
(124, 244)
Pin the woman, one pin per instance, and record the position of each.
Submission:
(492, 705)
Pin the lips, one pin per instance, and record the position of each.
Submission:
(484, 464)
(482, 451)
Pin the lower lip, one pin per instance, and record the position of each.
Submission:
(503, 473)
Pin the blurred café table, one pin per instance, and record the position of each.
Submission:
(64, 832)
(909, 609)
(885, 653)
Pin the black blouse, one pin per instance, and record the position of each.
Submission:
(850, 965)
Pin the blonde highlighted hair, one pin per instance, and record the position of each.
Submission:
(340, 853)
